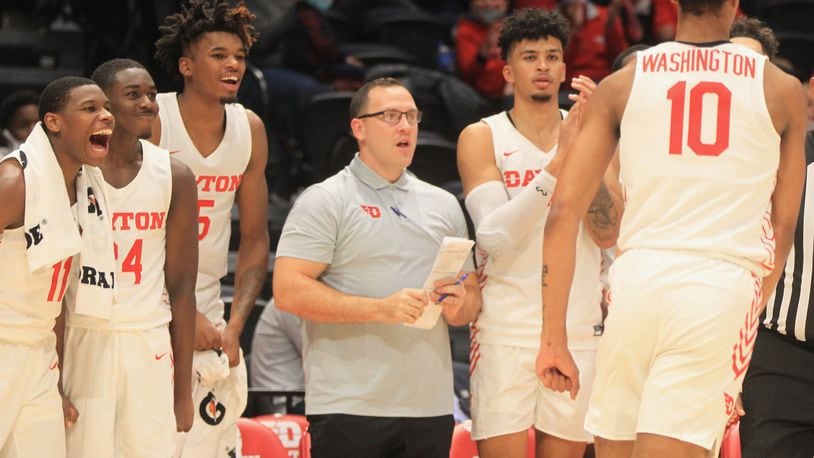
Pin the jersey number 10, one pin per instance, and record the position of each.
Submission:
(677, 95)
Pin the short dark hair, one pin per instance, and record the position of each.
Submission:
(755, 29)
(360, 98)
(15, 101)
(201, 16)
(532, 24)
(55, 95)
(619, 61)
(105, 74)
(699, 7)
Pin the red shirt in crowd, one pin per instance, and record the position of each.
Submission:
(593, 47)
(484, 74)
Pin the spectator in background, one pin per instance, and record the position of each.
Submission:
(544, 4)
(276, 359)
(754, 34)
(300, 59)
(18, 116)
(597, 37)
(478, 56)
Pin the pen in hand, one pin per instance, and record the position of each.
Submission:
(457, 282)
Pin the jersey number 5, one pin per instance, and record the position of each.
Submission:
(203, 221)
(677, 96)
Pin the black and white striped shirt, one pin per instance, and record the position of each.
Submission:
(790, 311)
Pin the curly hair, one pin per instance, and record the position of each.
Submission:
(753, 28)
(182, 29)
(532, 24)
(699, 7)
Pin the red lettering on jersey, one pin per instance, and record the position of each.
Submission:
(652, 61)
(701, 60)
(518, 178)
(218, 183)
(142, 221)
(371, 210)
(204, 182)
(511, 178)
(530, 174)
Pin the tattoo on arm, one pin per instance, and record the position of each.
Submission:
(545, 274)
(603, 214)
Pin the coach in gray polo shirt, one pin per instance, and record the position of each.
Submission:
(354, 252)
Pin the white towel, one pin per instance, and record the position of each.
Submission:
(211, 366)
(50, 229)
(96, 289)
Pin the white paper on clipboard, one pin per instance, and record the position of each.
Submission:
(448, 262)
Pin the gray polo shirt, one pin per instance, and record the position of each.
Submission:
(377, 238)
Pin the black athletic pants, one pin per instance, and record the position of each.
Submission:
(343, 436)
(778, 397)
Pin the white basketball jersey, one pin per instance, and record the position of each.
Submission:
(29, 301)
(699, 154)
(218, 177)
(139, 220)
(512, 298)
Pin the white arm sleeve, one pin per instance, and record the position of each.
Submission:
(500, 226)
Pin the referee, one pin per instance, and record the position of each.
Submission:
(778, 392)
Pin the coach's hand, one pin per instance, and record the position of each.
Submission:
(404, 306)
(184, 413)
(454, 301)
(69, 412)
(207, 336)
(556, 369)
(230, 339)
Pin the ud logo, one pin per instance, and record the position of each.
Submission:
(23, 159)
(211, 411)
(371, 210)
(33, 236)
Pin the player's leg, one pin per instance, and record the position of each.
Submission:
(503, 387)
(606, 448)
(14, 374)
(89, 380)
(624, 355)
(709, 313)
(36, 422)
(559, 421)
(145, 421)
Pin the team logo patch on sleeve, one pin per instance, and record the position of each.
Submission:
(211, 411)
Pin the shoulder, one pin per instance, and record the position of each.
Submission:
(780, 82)
(180, 171)
(255, 123)
(476, 135)
(613, 91)
(12, 188)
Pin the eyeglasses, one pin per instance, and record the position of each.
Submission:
(393, 117)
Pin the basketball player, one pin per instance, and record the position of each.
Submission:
(508, 164)
(711, 141)
(754, 34)
(225, 146)
(36, 214)
(111, 364)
